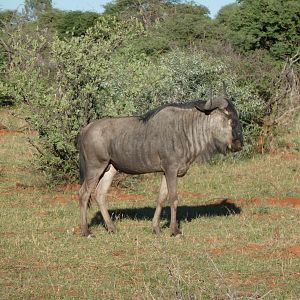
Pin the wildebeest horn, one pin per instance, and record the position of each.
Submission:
(219, 102)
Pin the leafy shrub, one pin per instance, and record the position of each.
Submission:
(263, 24)
(69, 85)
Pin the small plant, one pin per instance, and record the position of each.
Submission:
(296, 142)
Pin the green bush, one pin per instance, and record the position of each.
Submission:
(69, 85)
(101, 74)
(271, 25)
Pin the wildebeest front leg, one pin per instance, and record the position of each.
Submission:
(163, 193)
(101, 191)
(171, 177)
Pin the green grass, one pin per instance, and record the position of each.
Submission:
(249, 254)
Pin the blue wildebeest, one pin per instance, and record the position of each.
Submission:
(167, 140)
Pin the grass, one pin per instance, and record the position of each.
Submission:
(236, 249)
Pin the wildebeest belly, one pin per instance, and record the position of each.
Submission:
(135, 157)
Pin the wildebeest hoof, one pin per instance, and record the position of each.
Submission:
(175, 232)
(156, 230)
(86, 233)
(111, 229)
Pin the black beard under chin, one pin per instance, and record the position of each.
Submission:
(222, 148)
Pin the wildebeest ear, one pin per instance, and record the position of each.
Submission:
(219, 102)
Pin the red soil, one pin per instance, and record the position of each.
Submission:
(287, 201)
(19, 187)
(114, 194)
(118, 194)
(17, 132)
(10, 132)
(63, 199)
(118, 253)
(294, 250)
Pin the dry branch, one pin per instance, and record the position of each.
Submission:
(286, 101)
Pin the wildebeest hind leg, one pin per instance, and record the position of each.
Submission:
(89, 184)
(163, 193)
(101, 191)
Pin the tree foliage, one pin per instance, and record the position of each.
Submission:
(169, 24)
(272, 25)
(33, 8)
(148, 12)
(67, 24)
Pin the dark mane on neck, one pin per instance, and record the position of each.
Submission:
(151, 113)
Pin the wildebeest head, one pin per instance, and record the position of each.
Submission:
(226, 127)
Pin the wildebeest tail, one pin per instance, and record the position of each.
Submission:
(81, 167)
(81, 160)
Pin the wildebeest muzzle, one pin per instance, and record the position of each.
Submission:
(236, 145)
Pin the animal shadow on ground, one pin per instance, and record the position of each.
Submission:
(184, 213)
